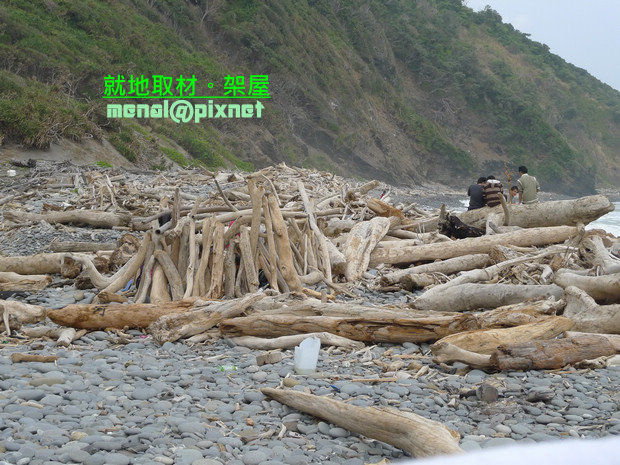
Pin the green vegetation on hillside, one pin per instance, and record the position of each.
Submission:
(401, 90)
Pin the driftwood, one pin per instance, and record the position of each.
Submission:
(485, 341)
(614, 339)
(63, 336)
(173, 327)
(605, 289)
(360, 242)
(14, 314)
(532, 355)
(10, 281)
(43, 263)
(450, 266)
(550, 355)
(98, 317)
(368, 327)
(443, 250)
(588, 316)
(473, 296)
(96, 219)
(17, 358)
(287, 342)
(594, 252)
(77, 247)
(412, 433)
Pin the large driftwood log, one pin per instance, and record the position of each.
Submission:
(176, 326)
(533, 355)
(485, 341)
(593, 250)
(555, 213)
(287, 342)
(450, 266)
(43, 263)
(94, 218)
(443, 250)
(96, 317)
(369, 327)
(473, 296)
(588, 316)
(519, 314)
(81, 246)
(552, 354)
(604, 288)
(10, 281)
(360, 242)
(412, 433)
(283, 246)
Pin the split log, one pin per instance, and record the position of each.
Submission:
(77, 247)
(94, 218)
(412, 433)
(283, 246)
(485, 341)
(473, 296)
(550, 355)
(43, 263)
(10, 281)
(98, 317)
(368, 327)
(200, 319)
(594, 252)
(288, 342)
(443, 250)
(605, 289)
(172, 274)
(450, 266)
(14, 314)
(360, 242)
(588, 316)
(614, 339)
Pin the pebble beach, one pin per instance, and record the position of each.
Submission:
(118, 397)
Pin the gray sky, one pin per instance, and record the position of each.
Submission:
(585, 33)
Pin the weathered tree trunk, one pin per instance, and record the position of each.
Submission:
(362, 328)
(176, 326)
(605, 289)
(444, 352)
(473, 296)
(94, 218)
(283, 246)
(172, 274)
(412, 433)
(550, 355)
(159, 286)
(443, 250)
(518, 314)
(588, 316)
(383, 209)
(287, 342)
(10, 281)
(450, 266)
(485, 341)
(43, 263)
(360, 242)
(216, 289)
(99, 317)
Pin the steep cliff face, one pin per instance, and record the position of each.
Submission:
(400, 91)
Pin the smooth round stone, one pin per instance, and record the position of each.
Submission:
(192, 427)
(46, 380)
(253, 396)
(338, 433)
(520, 428)
(475, 376)
(52, 400)
(254, 457)
(187, 456)
(503, 429)
(143, 393)
(30, 394)
(217, 394)
(205, 462)
(545, 419)
(470, 446)
(117, 459)
(498, 442)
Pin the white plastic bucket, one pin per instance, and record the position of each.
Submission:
(307, 355)
(11, 173)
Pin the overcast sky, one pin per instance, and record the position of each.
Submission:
(583, 32)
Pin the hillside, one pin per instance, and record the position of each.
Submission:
(402, 91)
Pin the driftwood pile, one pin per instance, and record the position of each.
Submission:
(244, 261)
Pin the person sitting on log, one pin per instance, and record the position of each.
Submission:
(476, 199)
(491, 192)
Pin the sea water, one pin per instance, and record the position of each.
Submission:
(610, 222)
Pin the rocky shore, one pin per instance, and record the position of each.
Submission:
(118, 397)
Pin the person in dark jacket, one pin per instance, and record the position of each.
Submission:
(491, 192)
(476, 200)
